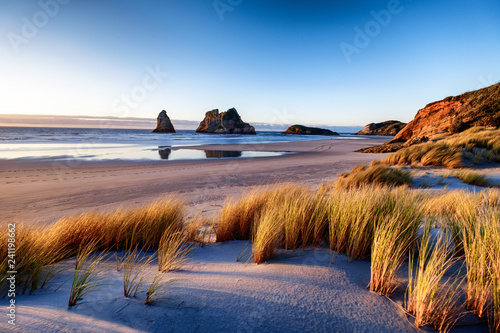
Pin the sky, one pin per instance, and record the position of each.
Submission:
(337, 63)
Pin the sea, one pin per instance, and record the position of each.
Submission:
(93, 144)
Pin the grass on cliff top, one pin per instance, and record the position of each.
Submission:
(475, 145)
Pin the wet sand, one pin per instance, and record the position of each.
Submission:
(41, 191)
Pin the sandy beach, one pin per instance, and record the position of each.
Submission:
(41, 191)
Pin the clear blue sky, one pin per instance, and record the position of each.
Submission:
(274, 60)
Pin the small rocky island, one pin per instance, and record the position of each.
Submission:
(163, 124)
(304, 130)
(228, 122)
(389, 128)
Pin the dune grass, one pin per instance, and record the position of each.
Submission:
(431, 299)
(235, 221)
(374, 175)
(38, 249)
(294, 218)
(87, 277)
(477, 144)
(171, 250)
(392, 241)
(156, 290)
(355, 214)
(134, 267)
(472, 178)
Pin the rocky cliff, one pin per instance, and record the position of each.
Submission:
(304, 130)
(454, 114)
(449, 116)
(390, 128)
(163, 124)
(228, 122)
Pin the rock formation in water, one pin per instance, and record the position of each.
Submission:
(304, 130)
(446, 117)
(390, 128)
(228, 122)
(163, 124)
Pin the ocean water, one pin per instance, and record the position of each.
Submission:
(130, 144)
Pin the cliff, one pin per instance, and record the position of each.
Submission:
(454, 115)
(163, 124)
(390, 128)
(228, 122)
(449, 116)
(304, 130)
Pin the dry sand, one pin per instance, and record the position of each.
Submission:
(214, 293)
(299, 292)
(43, 191)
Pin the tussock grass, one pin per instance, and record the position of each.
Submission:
(134, 267)
(235, 222)
(429, 297)
(495, 273)
(38, 249)
(156, 290)
(172, 251)
(477, 144)
(392, 241)
(354, 215)
(267, 237)
(115, 230)
(374, 174)
(472, 178)
(87, 277)
(295, 218)
(34, 260)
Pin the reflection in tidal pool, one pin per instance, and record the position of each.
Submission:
(179, 154)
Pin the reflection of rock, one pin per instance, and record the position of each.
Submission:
(222, 153)
(164, 153)
(163, 124)
(304, 130)
(228, 122)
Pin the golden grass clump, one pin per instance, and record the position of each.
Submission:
(142, 226)
(479, 144)
(431, 299)
(171, 250)
(38, 249)
(34, 260)
(298, 218)
(87, 277)
(392, 241)
(354, 215)
(375, 174)
(235, 221)
(472, 178)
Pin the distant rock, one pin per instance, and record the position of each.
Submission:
(449, 116)
(304, 130)
(389, 128)
(163, 124)
(228, 122)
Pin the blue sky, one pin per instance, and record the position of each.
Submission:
(276, 61)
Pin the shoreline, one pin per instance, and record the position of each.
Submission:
(42, 191)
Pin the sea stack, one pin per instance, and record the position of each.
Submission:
(228, 122)
(163, 124)
(304, 130)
